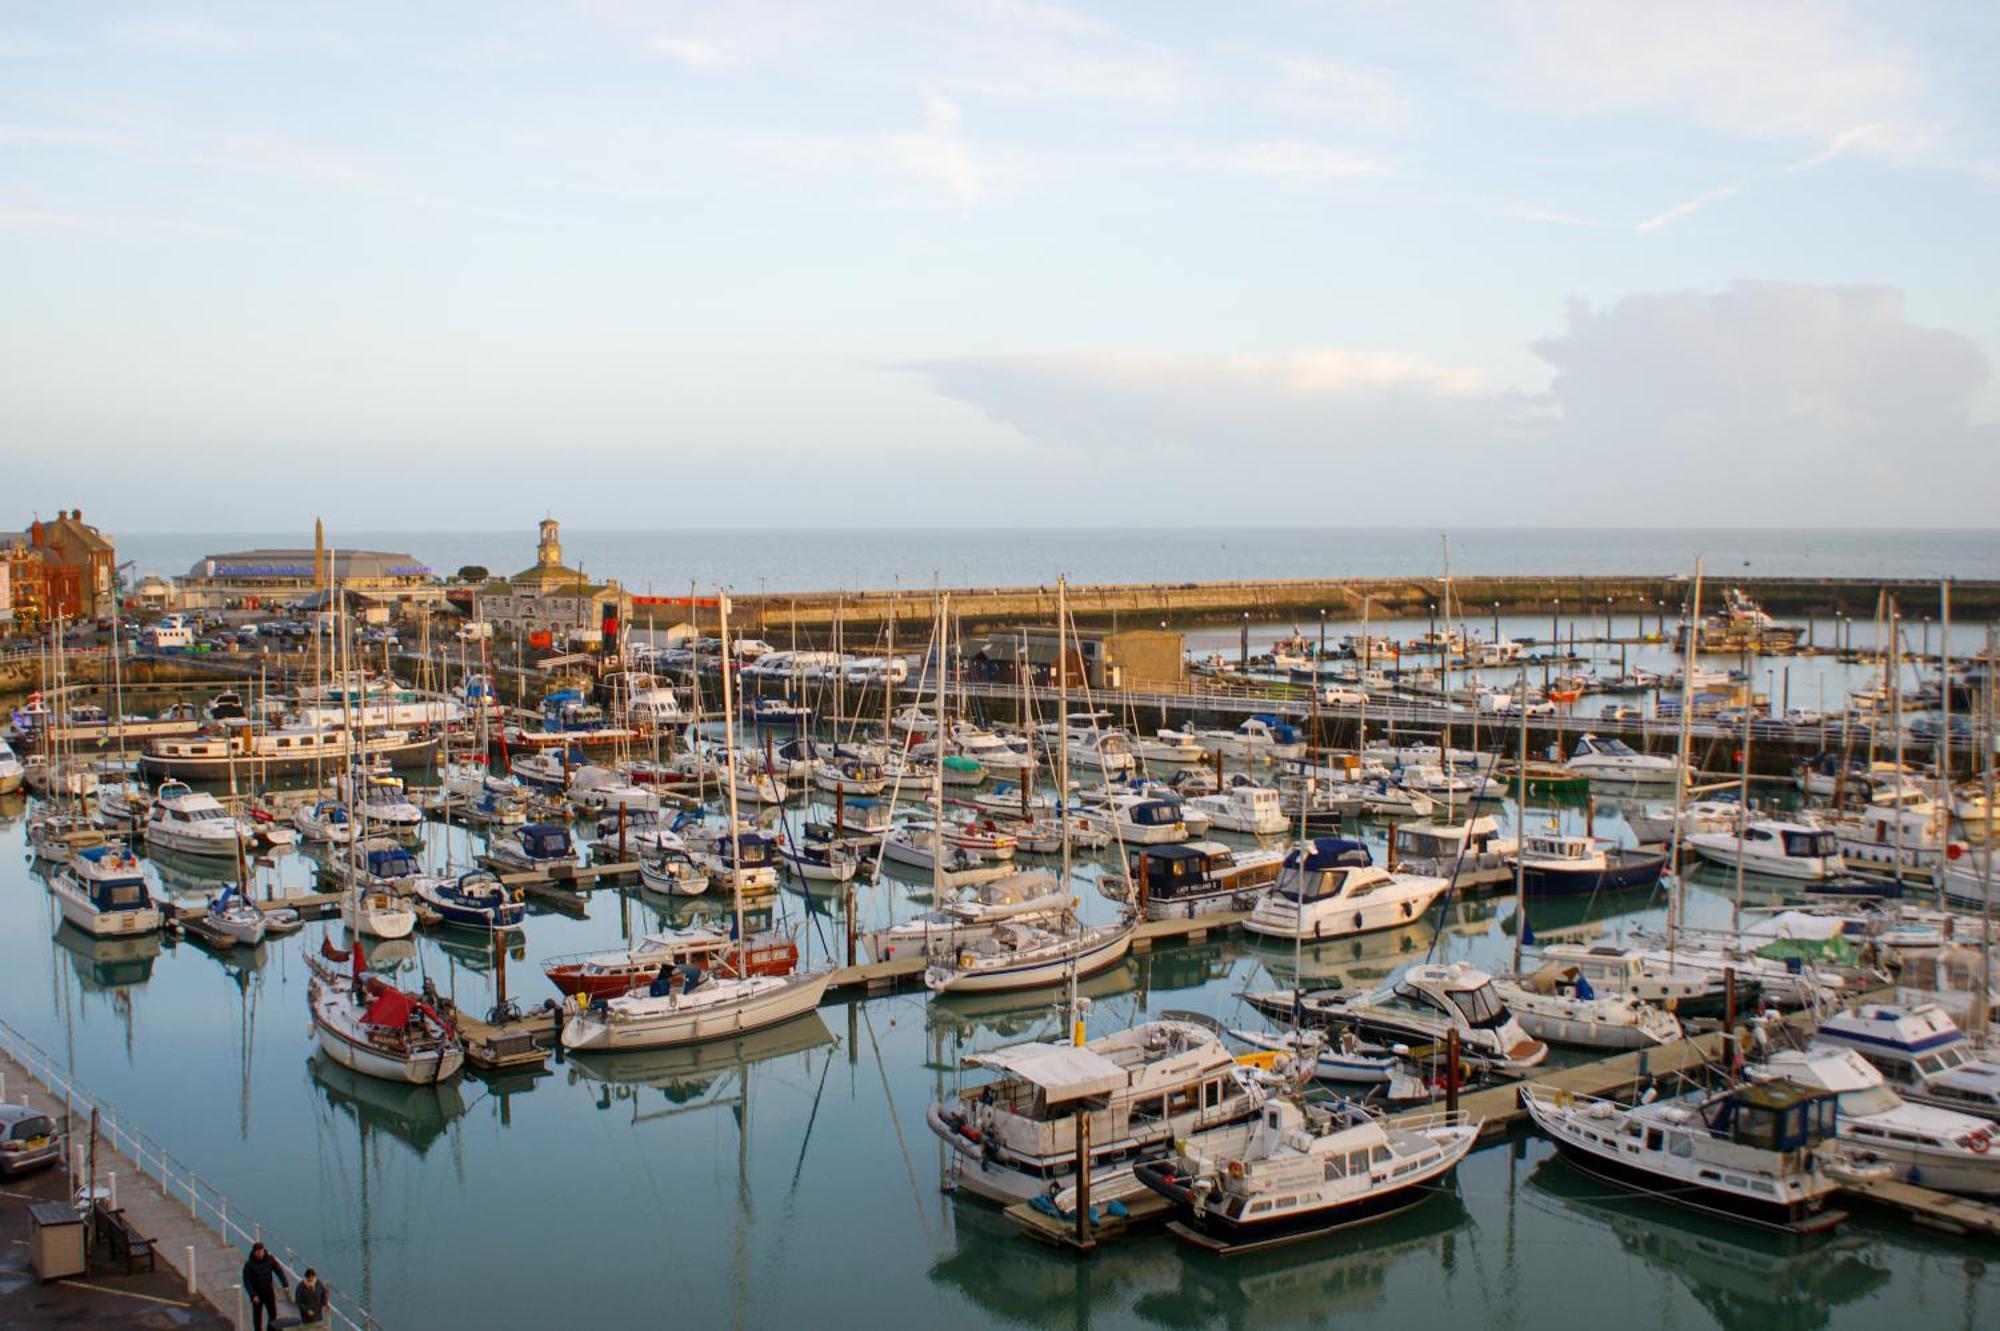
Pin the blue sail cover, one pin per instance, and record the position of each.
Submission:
(1337, 853)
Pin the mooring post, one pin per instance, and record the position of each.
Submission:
(1451, 1071)
(1083, 1239)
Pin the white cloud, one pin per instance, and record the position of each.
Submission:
(1299, 160)
(691, 52)
(937, 154)
(1765, 403)
(1841, 143)
(1685, 208)
(1778, 402)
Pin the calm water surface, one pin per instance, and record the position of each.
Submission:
(789, 1179)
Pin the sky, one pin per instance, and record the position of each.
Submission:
(1000, 262)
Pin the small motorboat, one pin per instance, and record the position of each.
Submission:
(474, 900)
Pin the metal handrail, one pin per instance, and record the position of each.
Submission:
(205, 1202)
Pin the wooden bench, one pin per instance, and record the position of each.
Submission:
(116, 1237)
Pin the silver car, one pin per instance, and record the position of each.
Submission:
(27, 1140)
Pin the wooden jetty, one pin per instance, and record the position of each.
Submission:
(1933, 1210)
(523, 1042)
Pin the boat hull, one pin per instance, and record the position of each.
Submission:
(698, 1024)
(1623, 871)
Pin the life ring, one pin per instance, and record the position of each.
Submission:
(1978, 1144)
(1236, 1169)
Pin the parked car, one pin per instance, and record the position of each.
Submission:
(27, 1140)
(1335, 696)
(1619, 712)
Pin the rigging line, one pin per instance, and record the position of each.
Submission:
(902, 1145)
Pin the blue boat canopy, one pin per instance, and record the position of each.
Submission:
(391, 862)
(1336, 853)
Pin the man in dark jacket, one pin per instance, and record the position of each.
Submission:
(310, 1299)
(258, 1272)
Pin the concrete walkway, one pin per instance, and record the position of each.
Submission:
(218, 1265)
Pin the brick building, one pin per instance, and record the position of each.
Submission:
(62, 567)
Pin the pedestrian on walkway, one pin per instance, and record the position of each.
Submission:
(259, 1271)
(310, 1299)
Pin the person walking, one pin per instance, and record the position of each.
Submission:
(309, 1297)
(260, 1269)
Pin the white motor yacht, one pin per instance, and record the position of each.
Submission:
(1329, 890)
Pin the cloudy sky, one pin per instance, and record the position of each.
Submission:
(997, 262)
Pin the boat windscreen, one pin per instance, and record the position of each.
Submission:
(1481, 1007)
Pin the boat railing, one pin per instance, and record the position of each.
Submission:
(206, 1204)
(1438, 1119)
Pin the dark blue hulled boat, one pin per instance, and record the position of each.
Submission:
(477, 900)
(1556, 865)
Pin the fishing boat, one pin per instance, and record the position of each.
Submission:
(1457, 849)
(1945, 1149)
(1558, 864)
(1614, 762)
(192, 822)
(1019, 955)
(476, 899)
(1748, 1153)
(1329, 889)
(1421, 1006)
(1921, 1051)
(533, 848)
(1777, 848)
(1558, 1005)
(371, 1027)
(1014, 1137)
(1307, 1170)
(103, 892)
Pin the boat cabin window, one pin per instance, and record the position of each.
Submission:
(1211, 1092)
(1379, 1155)
(1653, 1137)
(1941, 1060)
(1357, 1162)
(1756, 834)
(1184, 1101)
(1802, 845)
(1336, 1167)
(1481, 1007)
(1868, 1100)
(1152, 1107)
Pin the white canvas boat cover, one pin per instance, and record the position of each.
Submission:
(1062, 1072)
(1797, 925)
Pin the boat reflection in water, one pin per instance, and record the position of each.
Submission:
(1011, 1015)
(1189, 966)
(1743, 1276)
(1163, 1284)
(686, 1074)
(1360, 962)
(414, 1115)
(113, 963)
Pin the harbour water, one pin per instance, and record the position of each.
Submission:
(780, 559)
(789, 1177)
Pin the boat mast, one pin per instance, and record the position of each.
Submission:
(1896, 723)
(1062, 775)
(940, 630)
(1942, 820)
(1743, 790)
(729, 785)
(1979, 1010)
(1521, 830)
(1674, 902)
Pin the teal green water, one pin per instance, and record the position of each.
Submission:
(789, 1180)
